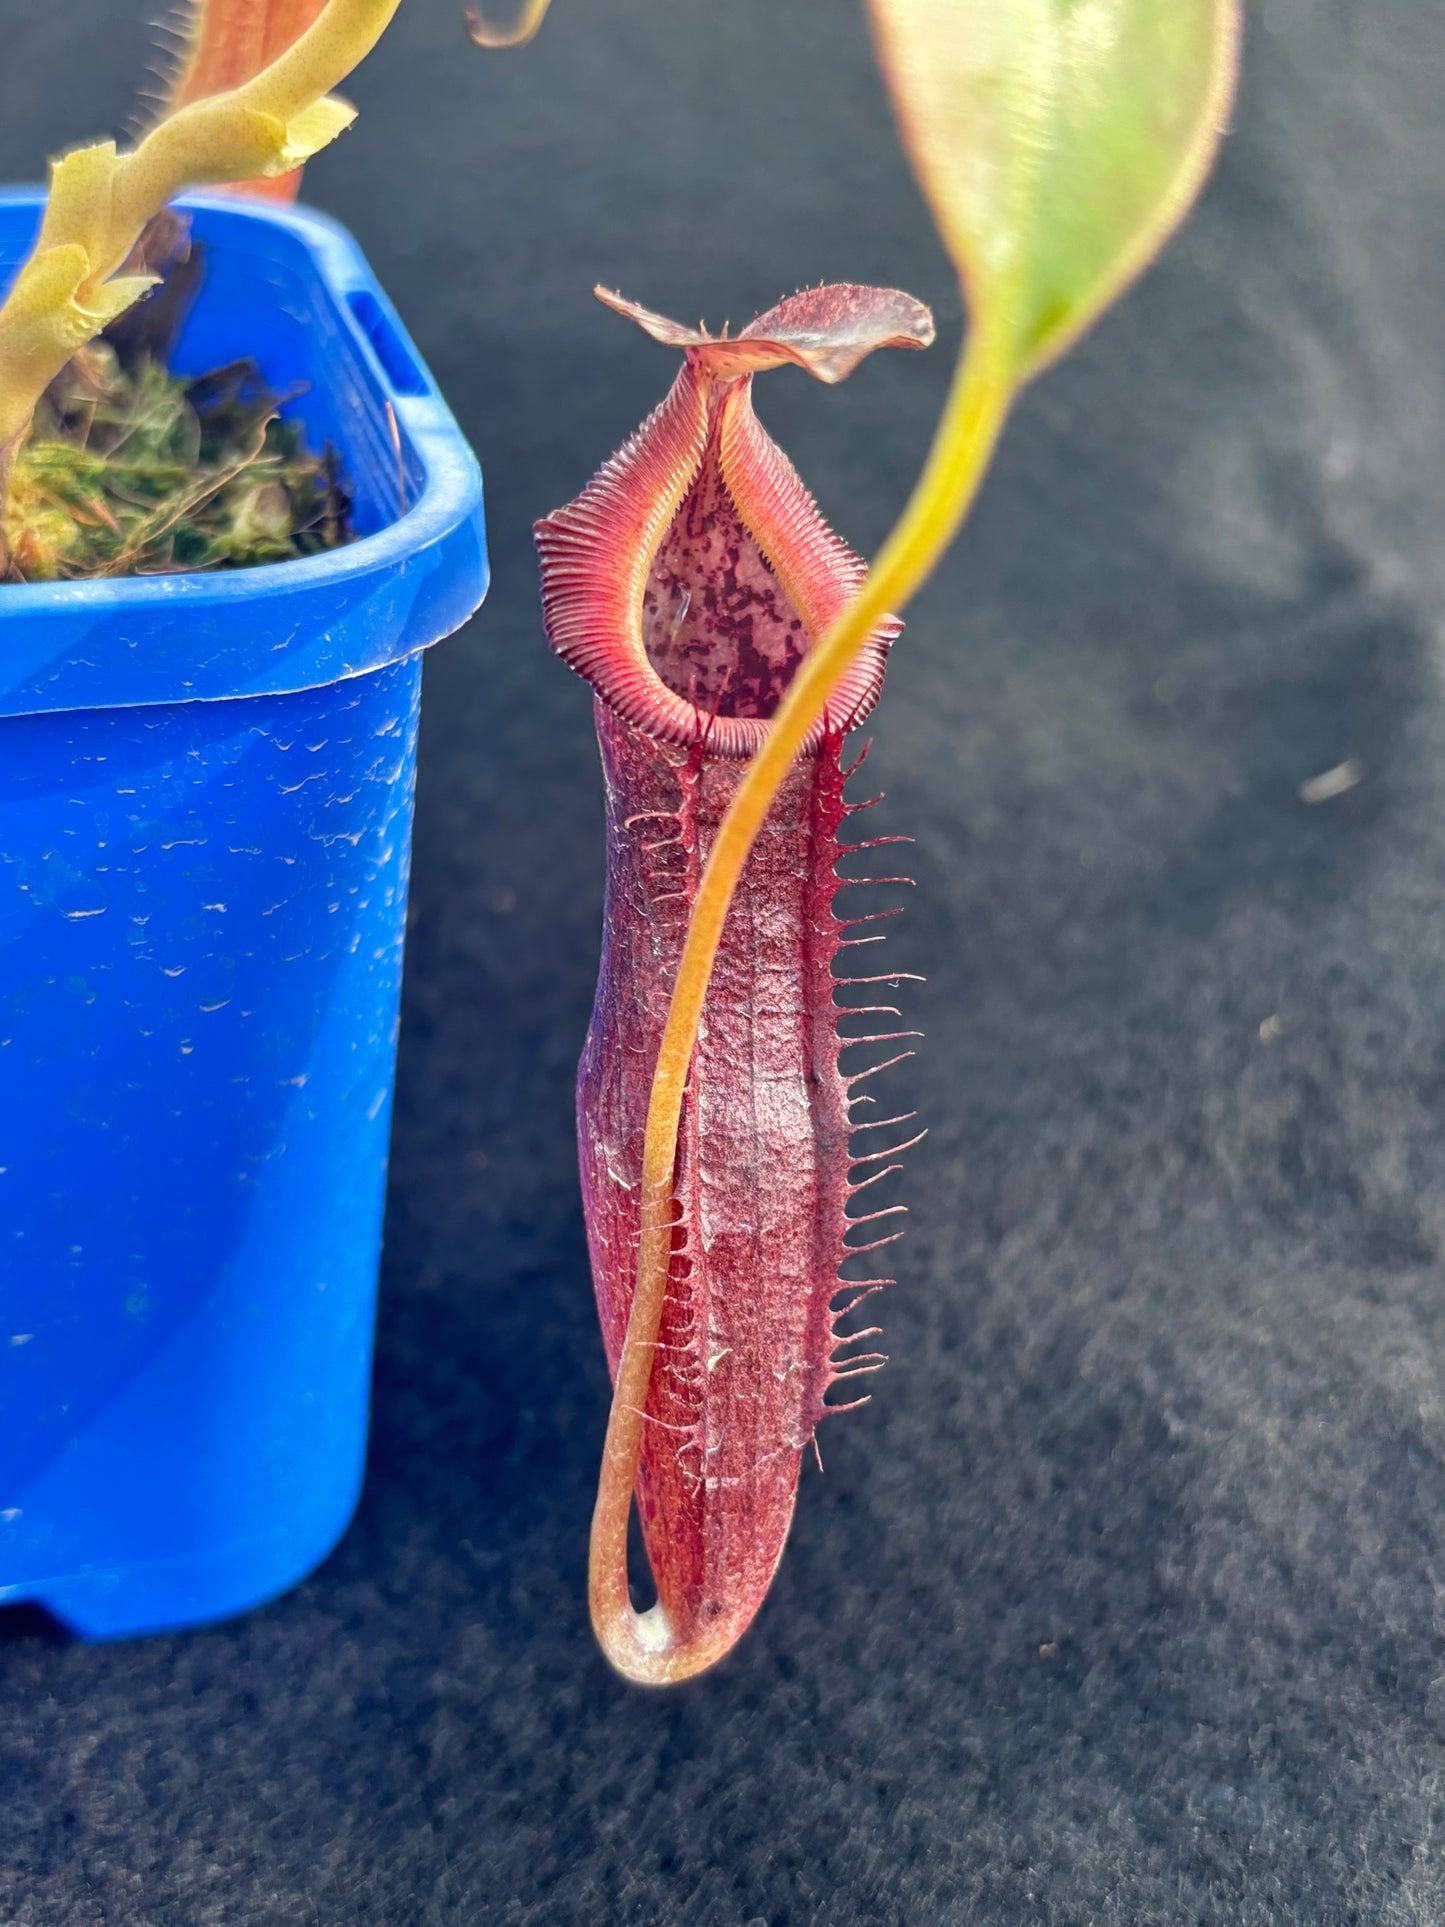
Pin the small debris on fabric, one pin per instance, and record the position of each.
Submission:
(1332, 782)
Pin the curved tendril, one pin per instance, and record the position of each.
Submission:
(641, 1645)
(525, 27)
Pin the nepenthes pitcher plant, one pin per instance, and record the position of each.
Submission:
(687, 583)
(731, 643)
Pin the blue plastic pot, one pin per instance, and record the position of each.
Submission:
(205, 819)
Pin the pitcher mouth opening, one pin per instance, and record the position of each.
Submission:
(694, 573)
(717, 624)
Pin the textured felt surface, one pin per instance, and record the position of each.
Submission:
(1122, 1601)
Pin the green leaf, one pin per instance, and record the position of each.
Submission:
(1058, 143)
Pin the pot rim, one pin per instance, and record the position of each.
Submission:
(286, 626)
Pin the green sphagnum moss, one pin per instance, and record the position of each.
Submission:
(134, 471)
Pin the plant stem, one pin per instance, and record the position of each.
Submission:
(642, 1646)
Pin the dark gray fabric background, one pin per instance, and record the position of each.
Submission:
(1123, 1601)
